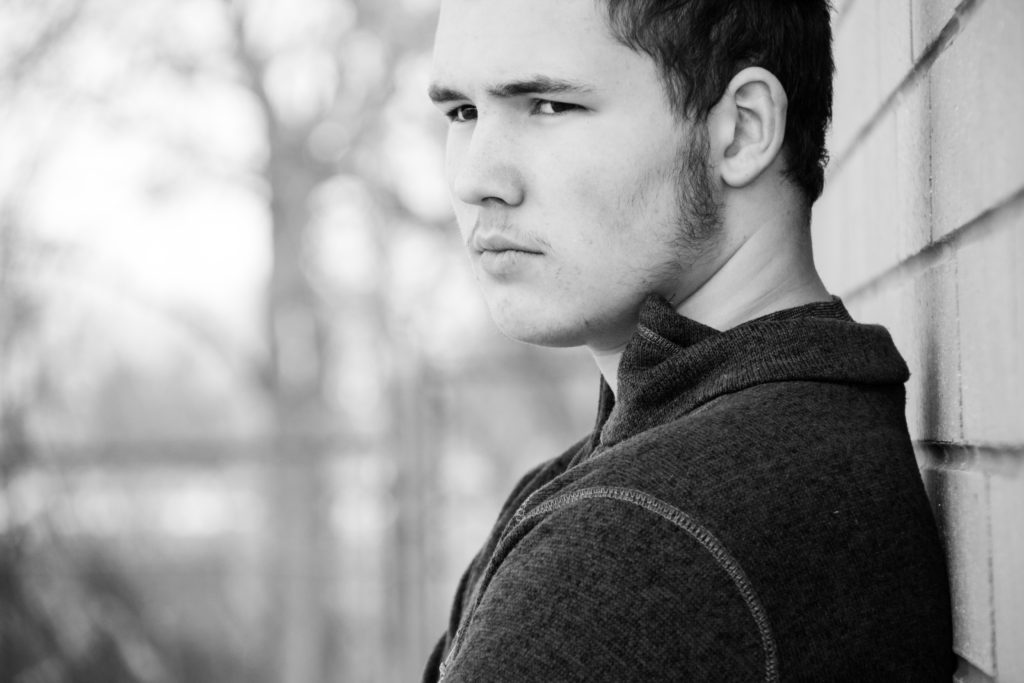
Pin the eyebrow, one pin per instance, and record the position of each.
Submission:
(535, 85)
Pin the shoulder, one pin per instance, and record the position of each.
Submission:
(614, 584)
(770, 437)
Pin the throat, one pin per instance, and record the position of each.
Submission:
(763, 275)
(608, 363)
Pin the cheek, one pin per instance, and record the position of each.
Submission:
(451, 165)
(465, 216)
(456, 144)
(625, 193)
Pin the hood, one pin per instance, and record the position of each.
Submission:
(673, 365)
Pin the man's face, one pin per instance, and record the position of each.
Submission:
(564, 162)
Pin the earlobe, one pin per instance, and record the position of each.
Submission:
(754, 107)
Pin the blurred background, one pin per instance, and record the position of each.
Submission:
(254, 418)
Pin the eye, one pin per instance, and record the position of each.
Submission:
(550, 108)
(462, 113)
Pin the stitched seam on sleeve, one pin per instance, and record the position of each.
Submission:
(699, 533)
(671, 514)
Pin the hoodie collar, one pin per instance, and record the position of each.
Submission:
(673, 364)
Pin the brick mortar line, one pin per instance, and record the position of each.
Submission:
(942, 42)
(1006, 460)
(985, 224)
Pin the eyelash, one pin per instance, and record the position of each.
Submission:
(565, 107)
(453, 114)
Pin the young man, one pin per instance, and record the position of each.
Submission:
(636, 177)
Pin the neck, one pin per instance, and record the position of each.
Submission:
(760, 266)
(768, 269)
(762, 263)
(608, 364)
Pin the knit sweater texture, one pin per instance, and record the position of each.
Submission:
(748, 509)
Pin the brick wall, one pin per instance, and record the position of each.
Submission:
(921, 228)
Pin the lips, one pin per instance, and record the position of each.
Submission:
(498, 242)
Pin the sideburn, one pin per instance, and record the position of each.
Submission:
(700, 207)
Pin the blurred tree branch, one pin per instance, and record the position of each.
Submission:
(56, 28)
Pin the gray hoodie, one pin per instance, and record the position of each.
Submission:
(748, 510)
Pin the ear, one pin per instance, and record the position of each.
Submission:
(749, 125)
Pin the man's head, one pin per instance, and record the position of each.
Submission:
(585, 176)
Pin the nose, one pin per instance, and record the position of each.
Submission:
(485, 166)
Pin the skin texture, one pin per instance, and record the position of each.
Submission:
(592, 188)
(573, 181)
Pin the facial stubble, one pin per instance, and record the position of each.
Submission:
(698, 211)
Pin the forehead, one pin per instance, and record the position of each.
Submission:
(487, 41)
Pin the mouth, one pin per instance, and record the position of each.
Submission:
(502, 257)
(497, 243)
(506, 263)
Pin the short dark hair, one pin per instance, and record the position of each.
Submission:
(699, 45)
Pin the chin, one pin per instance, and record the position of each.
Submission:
(538, 332)
(554, 323)
(540, 336)
(555, 333)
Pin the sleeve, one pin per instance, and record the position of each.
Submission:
(606, 590)
(527, 484)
